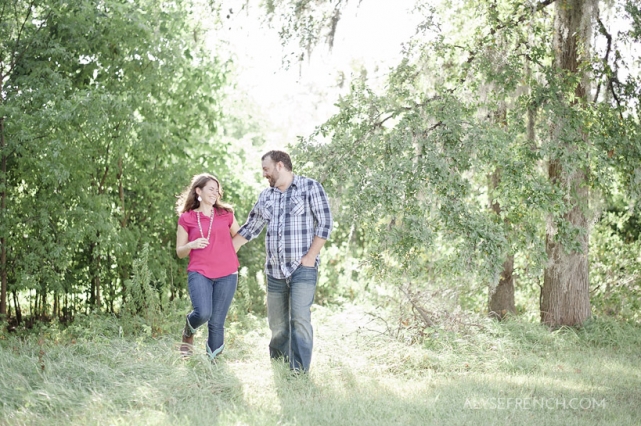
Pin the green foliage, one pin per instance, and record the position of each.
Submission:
(615, 268)
(303, 22)
(477, 94)
(409, 184)
(241, 174)
(109, 109)
(341, 278)
(142, 301)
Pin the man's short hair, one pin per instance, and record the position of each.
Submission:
(281, 156)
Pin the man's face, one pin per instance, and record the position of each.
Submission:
(270, 171)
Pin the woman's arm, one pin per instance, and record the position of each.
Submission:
(184, 246)
(233, 229)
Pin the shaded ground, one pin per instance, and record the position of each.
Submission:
(510, 373)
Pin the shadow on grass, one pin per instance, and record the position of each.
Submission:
(509, 378)
(459, 399)
(130, 382)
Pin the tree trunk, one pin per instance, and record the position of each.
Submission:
(65, 308)
(35, 299)
(3, 206)
(121, 193)
(96, 286)
(124, 274)
(43, 304)
(16, 305)
(501, 297)
(565, 297)
(55, 312)
(94, 258)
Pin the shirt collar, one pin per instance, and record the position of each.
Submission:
(295, 183)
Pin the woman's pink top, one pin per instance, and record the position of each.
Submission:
(219, 258)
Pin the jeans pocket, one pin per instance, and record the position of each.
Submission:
(308, 274)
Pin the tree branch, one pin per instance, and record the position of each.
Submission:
(616, 98)
(502, 25)
(16, 56)
(20, 31)
(336, 16)
(607, 35)
(607, 70)
(4, 5)
(101, 184)
(424, 315)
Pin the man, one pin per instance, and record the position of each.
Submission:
(296, 212)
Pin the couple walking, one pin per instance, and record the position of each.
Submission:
(296, 212)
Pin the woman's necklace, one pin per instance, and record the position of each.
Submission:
(211, 221)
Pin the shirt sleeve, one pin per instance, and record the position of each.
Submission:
(229, 218)
(182, 221)
(254, 224)
(319, 205)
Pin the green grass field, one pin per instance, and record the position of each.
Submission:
(496, 373)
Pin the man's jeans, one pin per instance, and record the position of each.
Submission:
(288, 312)
(211, 299)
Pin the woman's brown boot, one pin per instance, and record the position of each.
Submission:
(188, 340)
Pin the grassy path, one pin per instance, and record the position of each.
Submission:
(511, 373)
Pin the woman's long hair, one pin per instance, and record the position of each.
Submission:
(188, 199)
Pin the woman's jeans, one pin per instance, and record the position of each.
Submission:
(288, 311)
(211, 299)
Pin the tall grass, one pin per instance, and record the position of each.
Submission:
(492, 373)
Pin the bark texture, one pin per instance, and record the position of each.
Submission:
(3, 206)
(501, 300)
(565, 297)
(501, 297)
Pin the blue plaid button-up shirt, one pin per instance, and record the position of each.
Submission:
(293, 218)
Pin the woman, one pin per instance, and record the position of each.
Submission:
(205, 229)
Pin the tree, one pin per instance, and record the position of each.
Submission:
(565, 297)
(17, 35)
(410, 161)
(106, 108)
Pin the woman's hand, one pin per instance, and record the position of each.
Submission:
(199, 243)
(183, 247)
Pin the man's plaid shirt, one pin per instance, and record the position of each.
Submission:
(293, 218)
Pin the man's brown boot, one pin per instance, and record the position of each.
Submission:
(188, 340)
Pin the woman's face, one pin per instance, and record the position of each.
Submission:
(209, 193)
